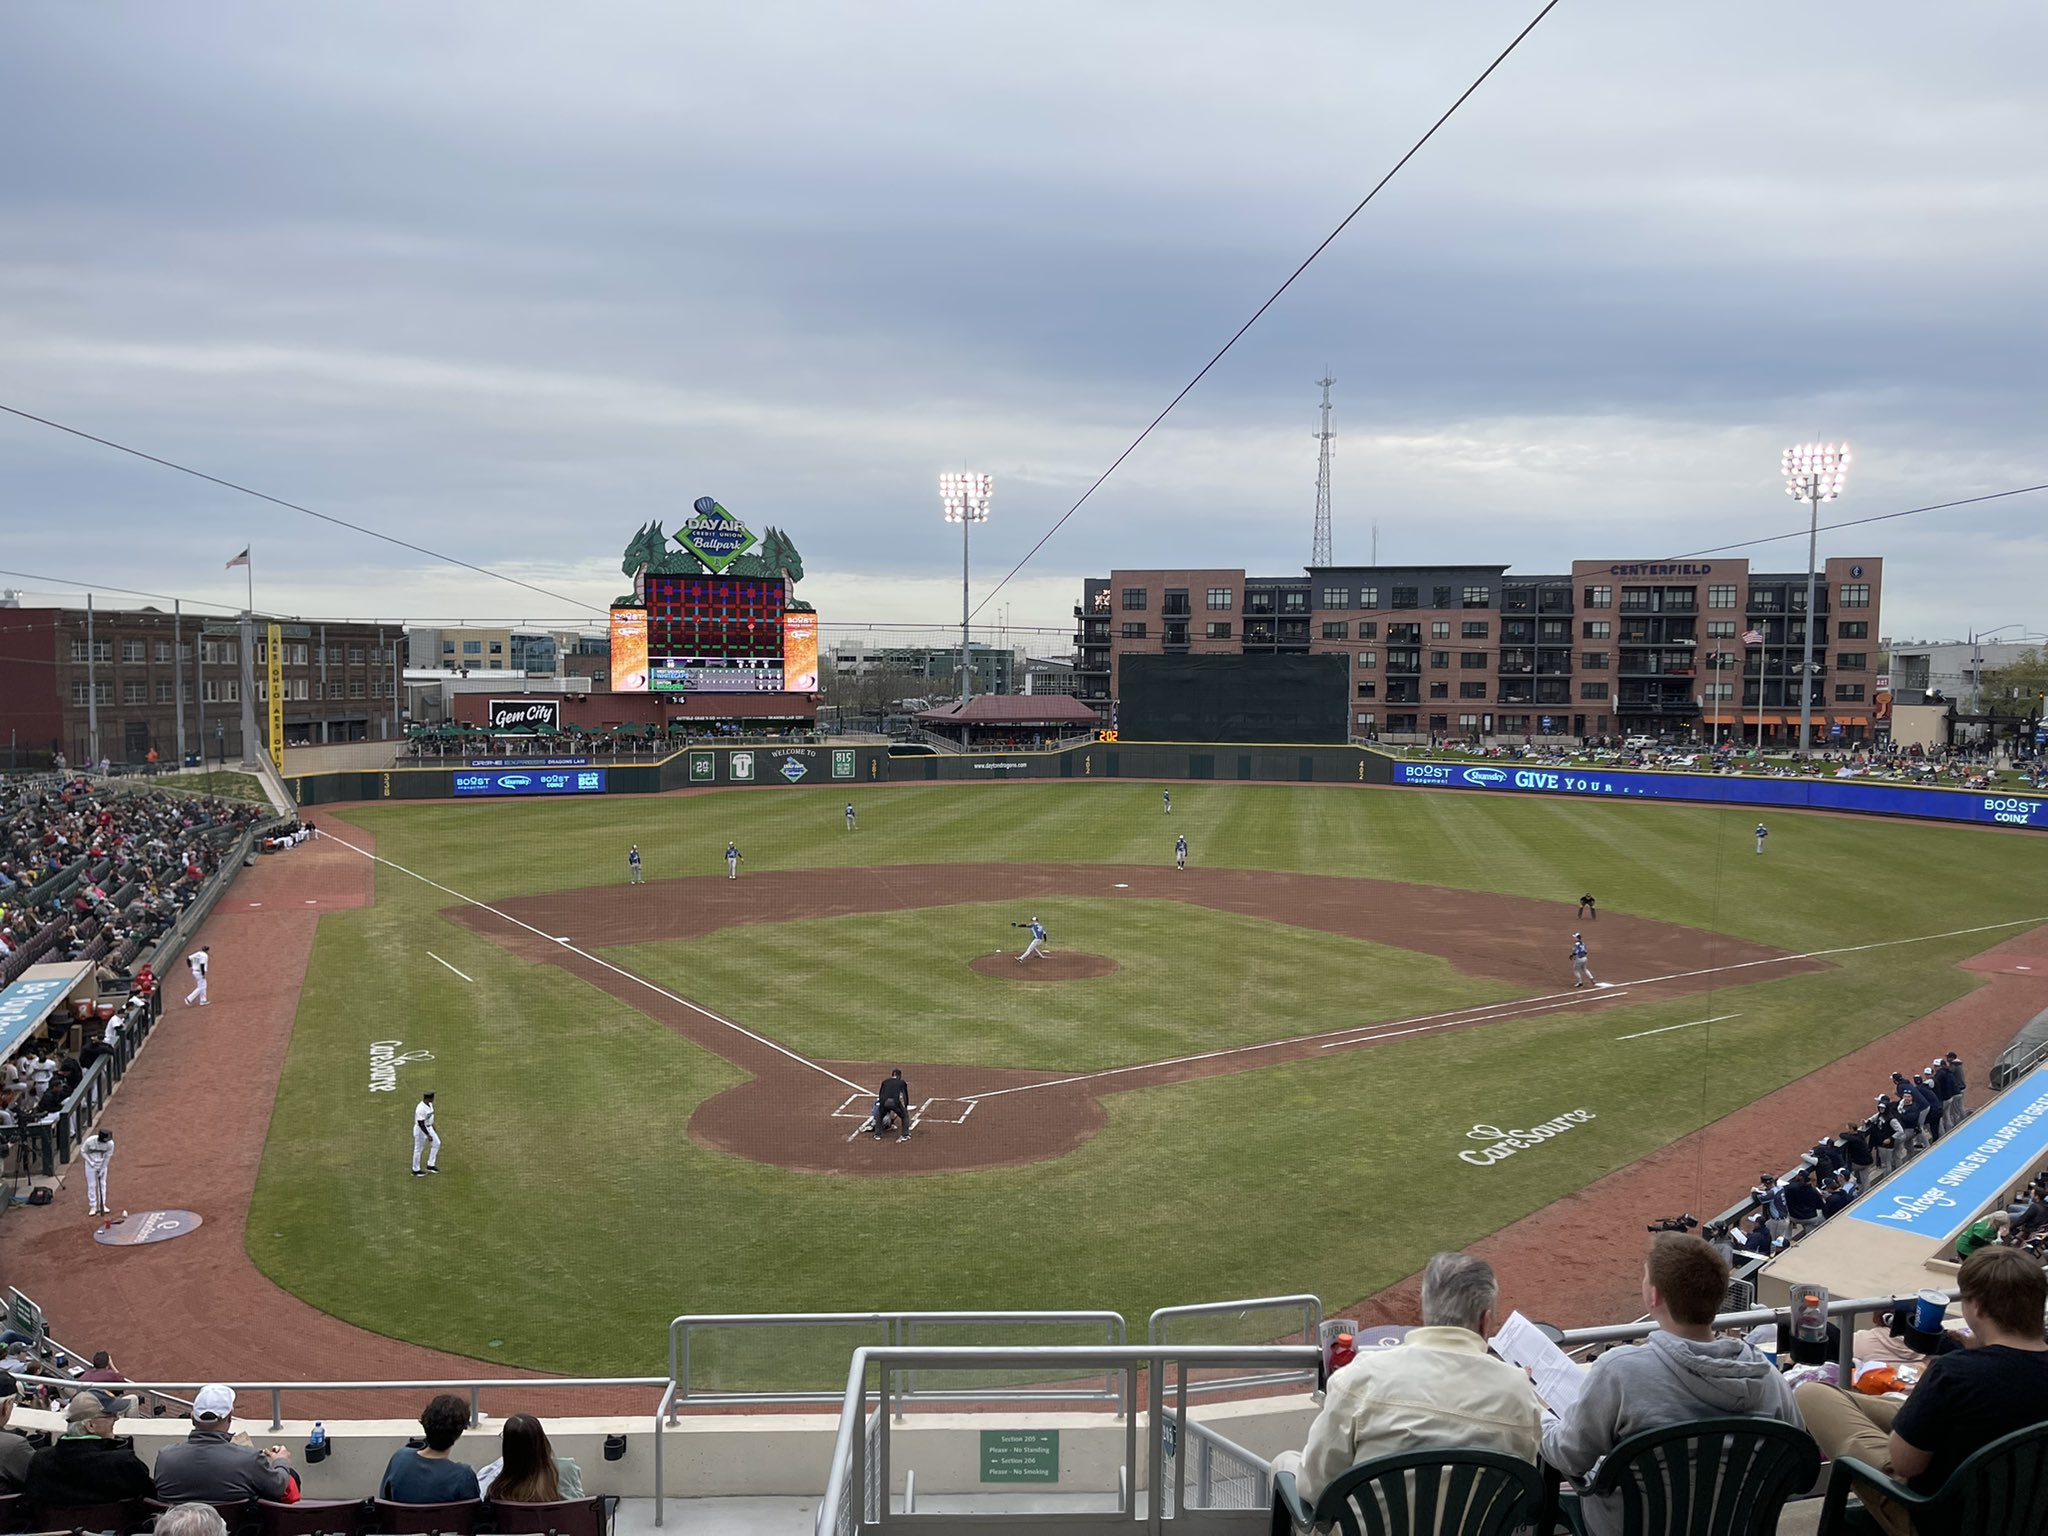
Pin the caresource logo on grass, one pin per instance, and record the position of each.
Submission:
(1505, 1144)
(386, 1057)
(1936, 1194)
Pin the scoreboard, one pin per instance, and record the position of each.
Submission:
(712, 634)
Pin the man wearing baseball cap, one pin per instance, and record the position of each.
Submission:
(209, 1468)
(90, 1465)
(15, 1450)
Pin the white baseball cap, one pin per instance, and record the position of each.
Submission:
(213, 1404)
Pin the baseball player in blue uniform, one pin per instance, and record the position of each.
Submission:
(732, 861)
(1762, 832)
(849, 815)
(1180, 853)
(1037, 944)
(1167, 796)
(633, 865)
(1582, 972)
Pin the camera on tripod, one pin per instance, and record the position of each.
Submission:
(1683, 1223)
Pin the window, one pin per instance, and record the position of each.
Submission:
(355, 687)
(102, 650)
(1720, 629)
(1439, 597)
(1721, 597)
(1439, 690)
(1218, 629)
(1134, 599)
(1855, 597)
(380, 686)
(1336, 597)
(1220, 599)
(102, 693)
(135, 693)
(1368, 597)
(1848, 693)
(1439, 660)
(1259, 600)
(1404, 633)
(1368, 690)
(1473, 629)
(1472, 661)
(1593, 661)
(1471, 690)
(1368, 629)
(1853, 629)
(355, 652)
(1403, 723)
(222, 690)
(1338, 630)
(133, 650)
(1440, 629)
(1851, 661)
(1554, 632)
(447, 646)
(1294, 600)
(476, 647)
(1593, 691)
(165, 693)
(163, 650)
(1366, 723)
(1596, 629)
(1599, 597)
(1367, 660)
(1176, 601)
(296, 655)
(1477, 597)
(1405, 597)
(1135, 631)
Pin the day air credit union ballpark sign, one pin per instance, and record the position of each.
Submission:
(714, 535)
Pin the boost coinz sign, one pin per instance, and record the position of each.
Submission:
(510, 716)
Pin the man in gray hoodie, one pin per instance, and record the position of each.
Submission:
(1679, 1374)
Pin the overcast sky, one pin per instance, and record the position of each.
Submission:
(509, 279)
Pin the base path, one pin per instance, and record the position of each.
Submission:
(797, 1113)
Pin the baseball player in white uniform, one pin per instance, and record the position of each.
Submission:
(1166, 795)
(1180, 853)
(732, 861)
(1037, 944)
(198, 961)
(633, 875)
(1762, 832)
(424, 1137)
(1582, 972)
(96, 1153)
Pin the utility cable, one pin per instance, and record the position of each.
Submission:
(1272, 299)
(1858, 522)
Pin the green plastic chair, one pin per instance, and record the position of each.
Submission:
(1419, 1493)
(1710, 1477)
(2001, 1490)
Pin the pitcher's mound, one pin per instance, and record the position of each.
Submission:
(1060, 965)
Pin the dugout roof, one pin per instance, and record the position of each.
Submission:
(1013, 709)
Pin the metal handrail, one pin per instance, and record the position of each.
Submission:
(1622, 1333)
(1310, 1307)
(899, 1329)
(849, 1466)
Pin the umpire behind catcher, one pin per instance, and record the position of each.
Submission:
(893, 1099)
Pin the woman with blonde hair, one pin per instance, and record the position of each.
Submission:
(529, 1471)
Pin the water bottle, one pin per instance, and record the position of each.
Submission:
(318, 1442)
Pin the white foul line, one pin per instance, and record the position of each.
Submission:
(616, 970)
(1485, 1012)
(432, 956)
(1716, 1019)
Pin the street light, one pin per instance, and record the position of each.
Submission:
(1814, 473)
(965, 496)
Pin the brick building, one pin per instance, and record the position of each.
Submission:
(141, 668)
(1612, 648)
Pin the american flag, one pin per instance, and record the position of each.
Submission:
(1752, 637)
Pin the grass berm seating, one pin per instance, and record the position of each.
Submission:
(2002, 1490)
(1438, 1493)
(1711, 1477)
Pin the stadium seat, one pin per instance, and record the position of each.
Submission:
(118, 1518)
(2000, 1491)
(234, 1513)
(12, 1511)
(1712, 1477)
(313, 1517)
(570, 1517)
(1451, 1493)
(459, 1519)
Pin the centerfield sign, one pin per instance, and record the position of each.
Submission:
(515, 717)
(1020, 1455)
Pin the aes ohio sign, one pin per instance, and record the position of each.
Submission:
(515, 716)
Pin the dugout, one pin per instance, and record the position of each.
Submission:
(1248, 700)
(1901, 1234)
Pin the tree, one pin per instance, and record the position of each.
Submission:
(2014, 689)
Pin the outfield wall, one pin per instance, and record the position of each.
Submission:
(782, 767)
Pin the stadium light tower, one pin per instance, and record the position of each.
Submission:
(965, 495)
(1814, 473)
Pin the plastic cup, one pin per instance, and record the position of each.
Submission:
(1929, 1310)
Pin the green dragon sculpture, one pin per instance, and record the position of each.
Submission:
(649, 550)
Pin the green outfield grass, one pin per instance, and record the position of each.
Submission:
(575, 1217)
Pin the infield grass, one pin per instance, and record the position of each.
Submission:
(575, 1217)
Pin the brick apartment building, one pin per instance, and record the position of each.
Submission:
(1612, 648)
(144, 666)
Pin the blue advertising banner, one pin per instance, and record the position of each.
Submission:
(24, 1005)
(534, 781)
(1798, 794)
(1938, 1193)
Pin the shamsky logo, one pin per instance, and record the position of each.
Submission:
(1486, 775)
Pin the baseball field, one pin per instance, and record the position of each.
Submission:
(1295, 1066)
